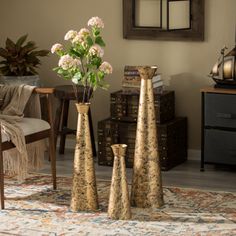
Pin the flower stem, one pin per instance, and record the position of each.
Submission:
(76, 92)
(89, 93)
(85, 88)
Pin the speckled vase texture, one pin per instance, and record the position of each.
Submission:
(84, 191)
(119, 202)
(146, 189)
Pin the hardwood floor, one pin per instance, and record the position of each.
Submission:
(188, 174)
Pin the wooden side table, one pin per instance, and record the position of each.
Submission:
(65, 93)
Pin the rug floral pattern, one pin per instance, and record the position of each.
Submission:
(33, 208)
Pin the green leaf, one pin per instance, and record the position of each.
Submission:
(10, 45)
(89, 41)
(32, 70)
(104, 86)
(95, 31)
(99, 41)
(78, 76)
(41, 53)
(75, 53)
(3, 53)
(92, 78)
(96, 61)
(100, 75)
(56, 69)
(61, 71)
(30, 46)
(21, 40)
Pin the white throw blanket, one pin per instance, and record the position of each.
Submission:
(15, 103)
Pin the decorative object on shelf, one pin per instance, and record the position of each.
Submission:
(224, 71)
(146, 183)
(119, 204)
(84, 191)
(20, 61)
(82, 64)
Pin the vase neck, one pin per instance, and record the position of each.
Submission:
(82, 108)
(119, 149)
(147, 72)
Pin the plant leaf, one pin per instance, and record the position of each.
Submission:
(41, 53)
(10, 45)
(32, 70)
(89, 41)
(30, 46)
(21, 40)
(3, 53)
(75, 53)
(99, 41)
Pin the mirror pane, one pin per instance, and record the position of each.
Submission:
(179, 15)
(148, 13)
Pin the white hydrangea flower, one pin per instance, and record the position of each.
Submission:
(81, 36)
(76, 39)
(96, 50)
(77, 62)
(66, 62)
(96, 22)
(56, 47)
(83, 33)
(106, 68)
(70, 35)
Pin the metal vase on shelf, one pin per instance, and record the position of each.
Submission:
(119, 204)
(84, 191)
(147, 182)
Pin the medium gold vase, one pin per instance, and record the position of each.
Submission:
(84, 191)
(119, 204)
(147, 182)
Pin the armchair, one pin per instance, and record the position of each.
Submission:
(33, 129)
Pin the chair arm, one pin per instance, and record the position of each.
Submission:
(44, 90)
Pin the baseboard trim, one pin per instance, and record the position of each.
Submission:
(193, 154)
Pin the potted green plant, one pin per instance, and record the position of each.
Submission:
(20, 62)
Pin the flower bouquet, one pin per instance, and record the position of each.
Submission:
(81, 62)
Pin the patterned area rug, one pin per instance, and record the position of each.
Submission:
(33, 208)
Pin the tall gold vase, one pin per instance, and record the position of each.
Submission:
(84, 191)
(147, 182)
(119, 204)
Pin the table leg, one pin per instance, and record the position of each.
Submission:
(202, 132)
(57, 124)
(64, 120)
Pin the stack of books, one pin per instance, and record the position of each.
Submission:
(131, 81)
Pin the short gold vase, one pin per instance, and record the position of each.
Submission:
(147, 182)
(84, 191)
(119, 203)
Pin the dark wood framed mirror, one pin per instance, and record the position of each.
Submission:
(163, 19)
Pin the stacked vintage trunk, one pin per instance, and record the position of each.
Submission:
(121, 128)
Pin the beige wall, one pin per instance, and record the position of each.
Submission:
(184, 65)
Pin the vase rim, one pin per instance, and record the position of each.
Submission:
(83, 103)
(150, 66)
(82, 107)
(120, 145)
